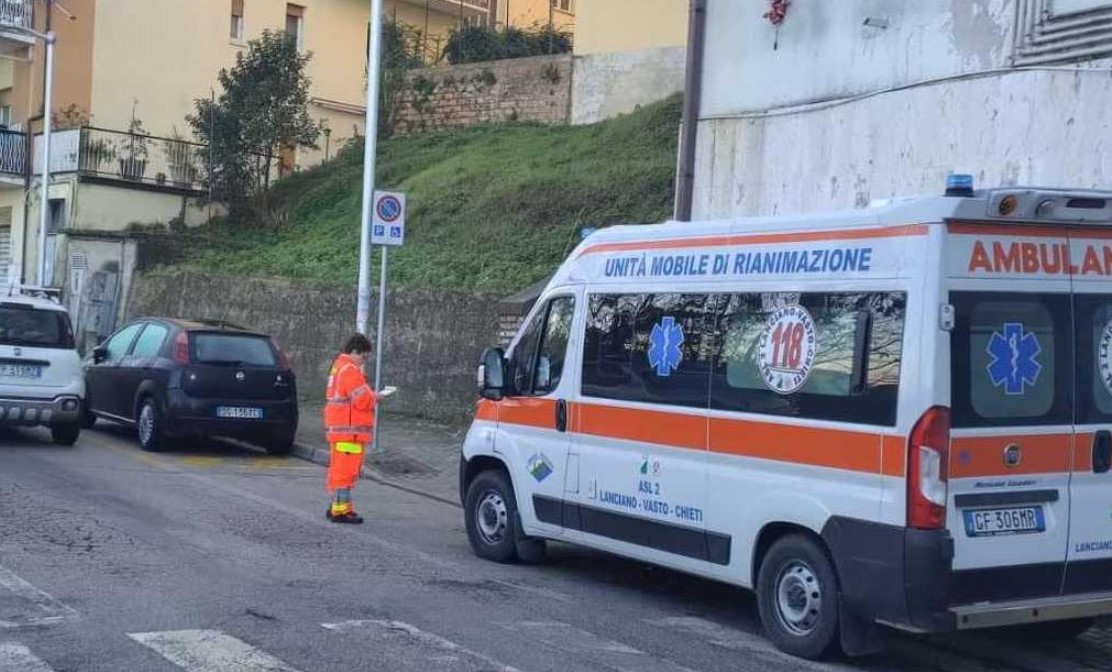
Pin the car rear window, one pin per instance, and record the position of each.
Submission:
(27, 326)
(233, 350)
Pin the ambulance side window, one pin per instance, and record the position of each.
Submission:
(1011, 359)
(1094, 357)
(521, 360)
(824, 356)
(652, 348)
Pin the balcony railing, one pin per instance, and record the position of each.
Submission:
(13, 153)
(142, 159)
(16, 14)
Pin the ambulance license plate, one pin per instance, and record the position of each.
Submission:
(994, 522)
(237, 412)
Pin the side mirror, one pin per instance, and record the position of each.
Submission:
(100, 353)
(492, 374)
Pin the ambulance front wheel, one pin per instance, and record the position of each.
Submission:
(490, 515)
(797, 596)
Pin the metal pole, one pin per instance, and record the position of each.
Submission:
(378, 336)
(693, 87)
(44, 207)
(370, 147)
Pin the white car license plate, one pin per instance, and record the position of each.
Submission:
(993, 522)
(239, 412)
(20, 371)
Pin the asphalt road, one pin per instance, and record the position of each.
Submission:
(219, 558)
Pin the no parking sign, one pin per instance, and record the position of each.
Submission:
(388, 218)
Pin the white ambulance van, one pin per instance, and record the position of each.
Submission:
(896, 416)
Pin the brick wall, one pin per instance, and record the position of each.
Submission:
(525, 89)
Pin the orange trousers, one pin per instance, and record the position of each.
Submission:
(343, 469)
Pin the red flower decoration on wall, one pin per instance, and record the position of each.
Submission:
(777, 12)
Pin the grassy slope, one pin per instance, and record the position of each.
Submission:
(491, 208)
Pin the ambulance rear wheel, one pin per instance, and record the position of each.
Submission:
(797, 596)
(490, 516)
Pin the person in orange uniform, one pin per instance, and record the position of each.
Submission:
(349, 418)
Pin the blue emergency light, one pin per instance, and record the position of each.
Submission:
(959, 184)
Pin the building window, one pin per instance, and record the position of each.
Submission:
(564, 5)
(295, 24)
(237, 20)
(57, 216)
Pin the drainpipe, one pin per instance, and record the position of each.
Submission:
(693, 87)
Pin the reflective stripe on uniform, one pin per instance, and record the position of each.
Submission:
(350, 448)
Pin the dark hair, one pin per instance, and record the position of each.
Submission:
(357, 344)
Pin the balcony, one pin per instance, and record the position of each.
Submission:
(13, 154)
(143, 161)
(16, 16)
(468, 8)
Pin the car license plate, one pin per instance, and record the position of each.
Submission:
(238, 412)
(994, 522)
(20, 371)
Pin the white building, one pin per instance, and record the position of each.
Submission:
(853, 100)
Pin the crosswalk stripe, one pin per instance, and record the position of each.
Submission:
(18, 658)
(209, 651)
(429, 639)
(603, 653)
(47, 610)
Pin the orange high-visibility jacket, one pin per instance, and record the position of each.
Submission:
(349, 415)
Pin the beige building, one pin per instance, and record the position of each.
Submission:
(609, 26)
(122, 62)
(534, 13)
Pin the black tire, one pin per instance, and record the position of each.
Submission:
(151, 439)
(65, 435)
(490, 515)
(1050, 631)
(807, 624)
(281, 446)
(88, 418)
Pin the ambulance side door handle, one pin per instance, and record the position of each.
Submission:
(561, 416)
(1102, 451)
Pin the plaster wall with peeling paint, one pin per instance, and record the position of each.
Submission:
(855, 100)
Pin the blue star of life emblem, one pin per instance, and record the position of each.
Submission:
(666, 347)
(1015, 359)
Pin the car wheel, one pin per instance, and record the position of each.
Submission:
(88, 418)
(65, 435)
(150, 426)
(281, 446)
(797, 596)
(490, 516)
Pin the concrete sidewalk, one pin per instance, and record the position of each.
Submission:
(412, 454)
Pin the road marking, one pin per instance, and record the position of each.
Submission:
(49, 610)
(602, 653)
(438, 644)
(735, 639)
(209, 651)
(18, 658)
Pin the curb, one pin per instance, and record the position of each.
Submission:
(321, 456)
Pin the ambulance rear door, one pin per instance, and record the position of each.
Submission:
(1089, 559)
(1011, 388)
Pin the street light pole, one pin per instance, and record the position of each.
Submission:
(44, 207)
(370, 148)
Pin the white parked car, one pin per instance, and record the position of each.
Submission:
(41, 379)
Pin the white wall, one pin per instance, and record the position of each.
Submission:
(823, 50)
(841, 113)
(606, 85)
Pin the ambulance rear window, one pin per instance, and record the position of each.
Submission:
(1010, 359)
(1093, 314)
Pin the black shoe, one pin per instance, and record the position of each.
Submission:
(348, 518)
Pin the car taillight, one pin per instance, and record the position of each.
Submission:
(928, 452)
(181, 348)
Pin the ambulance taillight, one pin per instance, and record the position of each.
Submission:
(928, 450)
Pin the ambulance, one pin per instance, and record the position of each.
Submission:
(894, 417)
